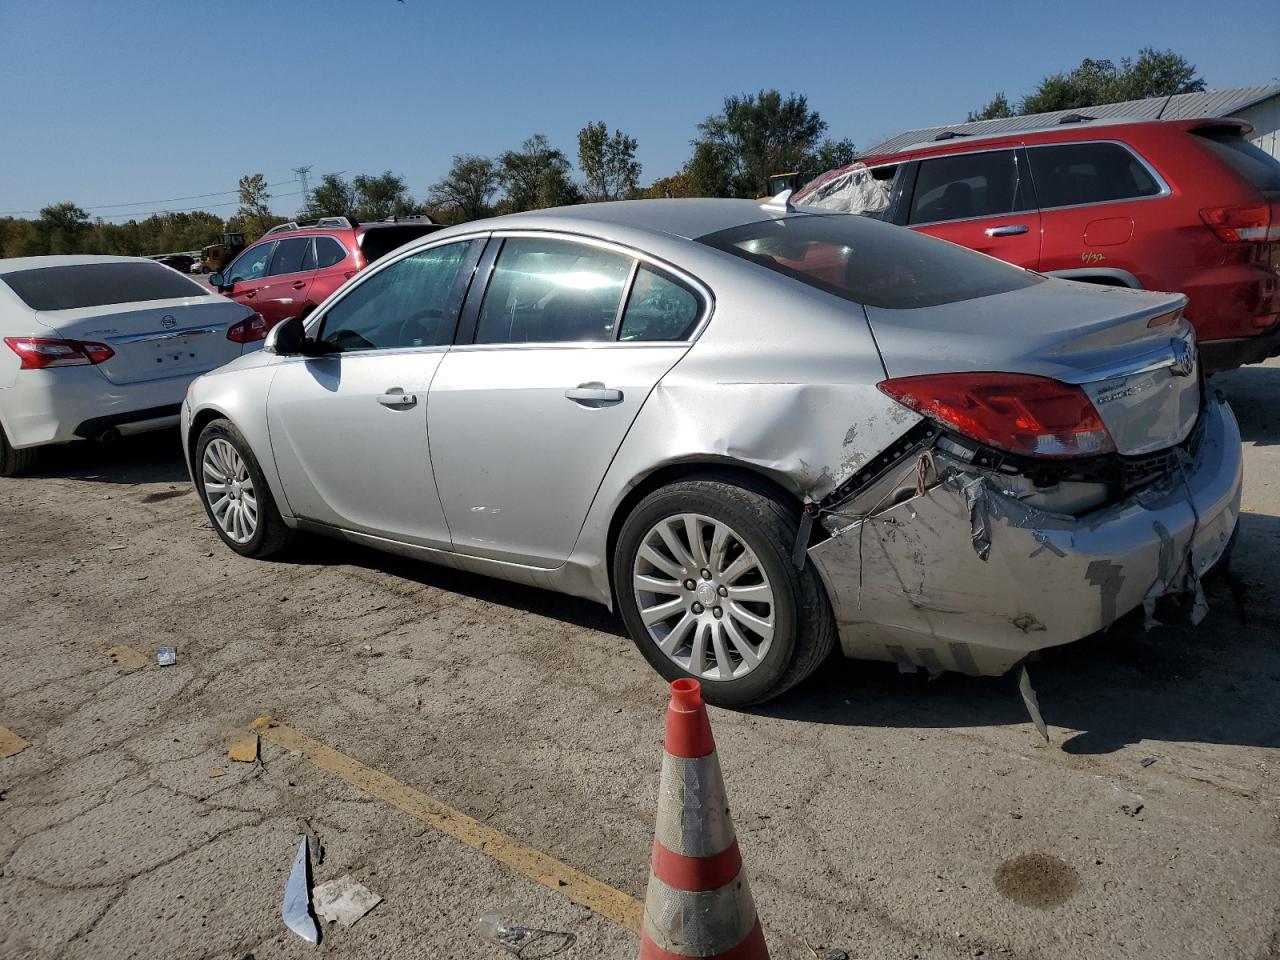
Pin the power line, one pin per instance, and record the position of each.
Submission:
(142, 203)
(143, 214)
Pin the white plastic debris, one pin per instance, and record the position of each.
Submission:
(294, 909)
(345, 900)
(850, 189)
(166, 656)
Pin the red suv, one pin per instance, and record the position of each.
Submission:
(1183, 205)
(294, 267)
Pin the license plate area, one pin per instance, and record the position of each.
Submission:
(175, 354)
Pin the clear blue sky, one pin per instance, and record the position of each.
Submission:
(115, 101)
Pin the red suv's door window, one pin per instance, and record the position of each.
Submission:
(329, 252)
(1071, 173)
(967, 185)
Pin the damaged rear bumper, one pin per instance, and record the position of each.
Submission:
(908, 584)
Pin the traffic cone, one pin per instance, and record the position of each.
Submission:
(698, 903)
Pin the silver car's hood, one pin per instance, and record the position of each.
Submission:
(1144, 380)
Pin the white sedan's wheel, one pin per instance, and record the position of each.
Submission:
(704, 597)
(229, 490)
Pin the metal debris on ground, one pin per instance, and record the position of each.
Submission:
(296, 906)
(123, 656)
(243, 747)
(1031, 703)
(11, 743)
(166, 656)
(345, 900)
(1148, 761)
(313, 839)
(524, 942)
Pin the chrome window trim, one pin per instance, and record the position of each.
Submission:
(705, 297)
(1165, 189)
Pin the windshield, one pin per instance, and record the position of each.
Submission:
(99, 284)
(869, 262)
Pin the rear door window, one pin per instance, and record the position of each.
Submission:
(329, 252)
(377, 242)
(552, 291)
(659, 308)
(290, 256)
(99, 284)
(968, 185)
(1247, 159)
(1074, 173)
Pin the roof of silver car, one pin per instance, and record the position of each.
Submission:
(690, 218)
(36, 263)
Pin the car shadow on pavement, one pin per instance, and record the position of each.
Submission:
(1252, 393)
(154, 457)
(326, 551)
(1215, 683)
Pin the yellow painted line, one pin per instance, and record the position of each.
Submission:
(10, 743)
(608, 902)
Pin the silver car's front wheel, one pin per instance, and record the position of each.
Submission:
(704, 597)
(235, 492)
(229, 491)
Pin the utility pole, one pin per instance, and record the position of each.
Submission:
(304, 177)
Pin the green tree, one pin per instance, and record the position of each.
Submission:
(382, 196)
(1156, 73)
(709, 172)
(608, 163)
(467, 188)
(536, 175)
(760, 134)
(332, 197)
(997, 109)
(829, 155)
(64, 226)
(254, 216)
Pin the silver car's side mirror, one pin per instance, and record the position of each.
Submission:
(285, 339)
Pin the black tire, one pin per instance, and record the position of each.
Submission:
(14, 462)
(271, 536)
(804, 629)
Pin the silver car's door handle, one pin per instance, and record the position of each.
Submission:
(594, 394)
(398, 399)
(1012, 230)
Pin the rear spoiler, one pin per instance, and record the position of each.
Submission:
(1215, 125)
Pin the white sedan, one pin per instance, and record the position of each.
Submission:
(95, 347)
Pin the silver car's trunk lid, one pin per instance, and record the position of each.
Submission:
(1130, 350)
(157, 339)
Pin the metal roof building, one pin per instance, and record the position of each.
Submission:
(1258, 105)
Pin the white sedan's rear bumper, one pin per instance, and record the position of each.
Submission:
(70, 403)
(908, 586)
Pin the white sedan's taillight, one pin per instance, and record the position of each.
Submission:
(249, 330)
(37, 353)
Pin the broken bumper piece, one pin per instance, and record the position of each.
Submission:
(965, 577)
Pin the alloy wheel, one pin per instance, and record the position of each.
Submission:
(229, 490)
(704, 596)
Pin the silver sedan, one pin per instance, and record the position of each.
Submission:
(754, 431)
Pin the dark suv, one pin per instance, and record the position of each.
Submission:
(295, 266)
(1183, 205)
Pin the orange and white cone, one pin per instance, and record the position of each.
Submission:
(698, 904)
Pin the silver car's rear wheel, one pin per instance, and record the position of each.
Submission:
(704, 597)
(229, 490)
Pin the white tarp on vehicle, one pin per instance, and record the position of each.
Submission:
(850, 189)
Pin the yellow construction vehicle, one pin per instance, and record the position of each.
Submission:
(217, 256)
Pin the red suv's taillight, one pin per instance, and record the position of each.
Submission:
(249, 330)
(1256, 223)
(1033, 416)
(37, 353)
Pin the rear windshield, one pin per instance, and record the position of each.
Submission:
(870, 263)
(99, 284)
(1250, 161)
(377, 242)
